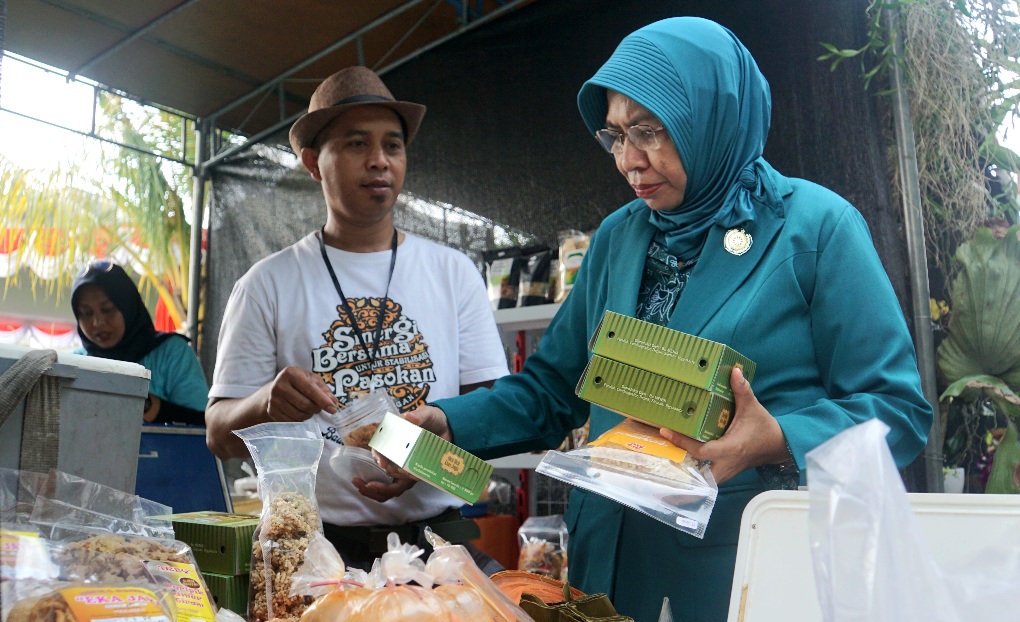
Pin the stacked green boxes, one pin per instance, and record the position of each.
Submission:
(229, 592)
(662, 376)
(222, 545)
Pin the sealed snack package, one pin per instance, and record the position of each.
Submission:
(468, 594)
(338, 592)
(633, 465)
(502, 276)
(286, 457)
(88, 602)
(396, 599)
(534, 278)
(83, 555)
(573, 246)
(543, 546)
(356, 424)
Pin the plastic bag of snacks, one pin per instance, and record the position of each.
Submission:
(88, 602)
(633, 465)
(356, 424)
(543, 545)
(323, 576)
(465, 590)
(573, 246)
(535, 280)
(286, 457)
(403, 590)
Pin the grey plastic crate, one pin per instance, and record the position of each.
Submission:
(101, 405)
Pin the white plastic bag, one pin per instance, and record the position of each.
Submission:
(871, 562)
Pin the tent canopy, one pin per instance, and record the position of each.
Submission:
(245, 65)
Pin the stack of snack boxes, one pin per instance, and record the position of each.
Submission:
(222, 545)
(661, 376)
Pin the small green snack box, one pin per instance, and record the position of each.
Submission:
(221, 542)
(667, 352)
(654, 399)
(431, 458)
(229, 591)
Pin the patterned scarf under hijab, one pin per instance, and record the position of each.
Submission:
(140, 335)
(703, 85)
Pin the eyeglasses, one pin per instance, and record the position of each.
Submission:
(99, 265)
(644, 137)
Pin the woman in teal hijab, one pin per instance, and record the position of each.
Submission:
(720, 245)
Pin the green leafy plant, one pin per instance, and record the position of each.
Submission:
(979, 360)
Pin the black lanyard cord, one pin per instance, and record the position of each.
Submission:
(347, 306)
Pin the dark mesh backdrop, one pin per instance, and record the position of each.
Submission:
(502, 137)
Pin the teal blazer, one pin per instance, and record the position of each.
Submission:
(809, 302)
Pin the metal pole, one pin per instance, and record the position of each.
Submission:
(913, 221)
(197, 215)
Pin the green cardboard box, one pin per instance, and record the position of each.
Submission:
(667, 352)
(221, 542)
(229, 591)
(431, 458)
(655, 399)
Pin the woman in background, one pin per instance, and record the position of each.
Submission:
(113, 323)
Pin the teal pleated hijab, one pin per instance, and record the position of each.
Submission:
(706, 89)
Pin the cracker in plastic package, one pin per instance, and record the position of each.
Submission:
(356, 423)
(286, 457)
(635, 466)
(543, 546)
(96, 602)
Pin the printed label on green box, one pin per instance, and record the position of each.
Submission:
(655, 399)
(221, 542)
(431, 458)
(700, 362)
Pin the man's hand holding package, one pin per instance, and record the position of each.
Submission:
(754, 437)
(296, 394)
(429, 417)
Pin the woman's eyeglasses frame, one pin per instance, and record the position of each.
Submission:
(643, 137)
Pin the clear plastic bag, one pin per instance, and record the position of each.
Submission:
(870, 559)
(71, 500)
(286, 457)
(543, 546)
(356, 424)
(633, 465)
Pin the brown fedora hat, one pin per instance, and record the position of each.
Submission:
(353, 86)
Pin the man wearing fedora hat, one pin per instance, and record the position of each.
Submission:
(353, 307)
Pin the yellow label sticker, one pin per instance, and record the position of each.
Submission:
(452, 463)
(189, 592)
(124, 604)
(642, 438)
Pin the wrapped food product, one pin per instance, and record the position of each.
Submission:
(633, 465)
(286, 457)
(356, 424)
(338, 591)
(543, 546)
(534, 279)
(397, 600)
(81, 602)
(573, 246)
(502, 276)
(464, 589)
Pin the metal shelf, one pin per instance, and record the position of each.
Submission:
(525, 318)
(518, 461)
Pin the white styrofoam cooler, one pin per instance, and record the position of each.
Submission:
(101, 405)
(774, 578)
